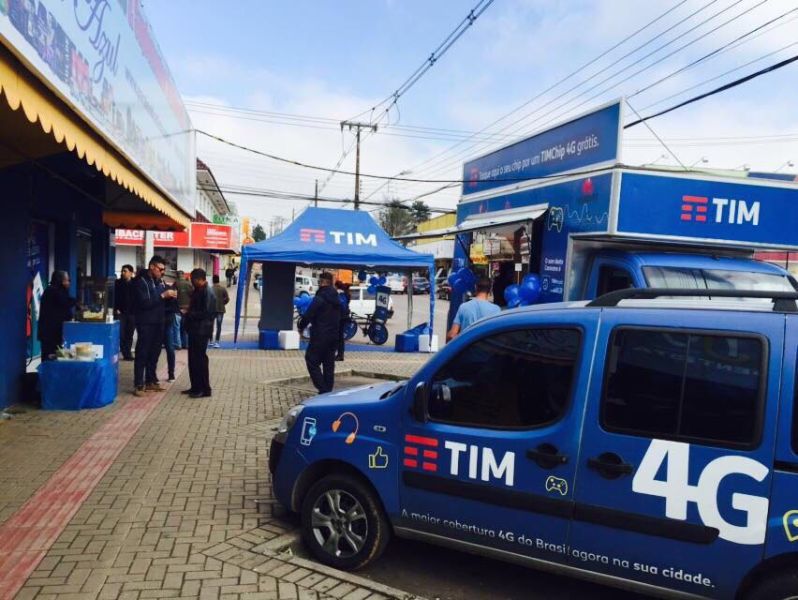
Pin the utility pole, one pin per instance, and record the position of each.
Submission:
(316, 195)
(357, 126)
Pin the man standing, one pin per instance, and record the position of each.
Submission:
(123, 311)
(324, 317)
(184, 289)
(149, 297)
(222, 298)
(199, 325)
(228, 273)
(473, 310)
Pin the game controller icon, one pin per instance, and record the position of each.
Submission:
(556, 484)
(556, 218)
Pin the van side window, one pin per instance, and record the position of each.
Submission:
(679, 385)
(613, 278)
(514, 379)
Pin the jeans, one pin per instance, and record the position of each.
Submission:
(321, 354)
(171, 341)
(148, 349)
(219, 319)
(127, 325)
(198, 363)
(183, 332)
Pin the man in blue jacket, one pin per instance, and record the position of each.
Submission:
(324, 317)
(149, 296)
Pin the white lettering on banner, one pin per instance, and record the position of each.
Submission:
(736, 211)
(482, 463)
(677, 490)
(354, 239)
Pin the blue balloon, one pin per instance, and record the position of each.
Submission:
(361, 276)
(382, 280)
(512, 296)
(467, 276)
(529, 291)
(373, 280)
(372, 289)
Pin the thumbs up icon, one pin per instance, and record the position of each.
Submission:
(378, 460)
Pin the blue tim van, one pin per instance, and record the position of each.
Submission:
(647, 444)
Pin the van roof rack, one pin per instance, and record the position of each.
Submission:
(782, 301)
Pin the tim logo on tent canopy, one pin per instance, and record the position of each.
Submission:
(341, 238)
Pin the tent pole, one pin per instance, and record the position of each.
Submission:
(409, 299)
(246, 296)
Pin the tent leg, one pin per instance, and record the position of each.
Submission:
(246, 297)
(409, 299)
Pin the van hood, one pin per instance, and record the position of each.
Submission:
(363, 394)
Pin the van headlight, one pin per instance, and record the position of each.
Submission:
(289, 420)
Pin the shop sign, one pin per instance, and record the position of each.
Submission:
(585, 142)
(100, 56)
(210, 236)
(162, 239)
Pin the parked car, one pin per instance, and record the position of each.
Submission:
(645, 444)
(420, 285)
(363, 303)
(303, 286)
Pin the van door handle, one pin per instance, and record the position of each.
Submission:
(610, 466)
(546, 456)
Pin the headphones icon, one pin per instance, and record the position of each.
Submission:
(337, 425)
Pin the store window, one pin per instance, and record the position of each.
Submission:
(514, 379)
(688, 386)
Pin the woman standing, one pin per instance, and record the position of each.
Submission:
(56, 308)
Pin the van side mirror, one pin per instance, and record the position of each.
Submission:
(420, 396)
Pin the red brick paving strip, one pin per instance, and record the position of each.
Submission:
(27, 536)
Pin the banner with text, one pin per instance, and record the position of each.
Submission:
(101, 57)
(587, 141)
(201, 236)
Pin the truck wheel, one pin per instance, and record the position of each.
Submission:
(342, 523)
(779, 586)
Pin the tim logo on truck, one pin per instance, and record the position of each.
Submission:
(726, 210)
(421, 452)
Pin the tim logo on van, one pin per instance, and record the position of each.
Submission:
(468, 460)
(726, 210)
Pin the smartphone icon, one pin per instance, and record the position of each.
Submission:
(308, 431)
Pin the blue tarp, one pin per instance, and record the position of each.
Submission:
(328, 237)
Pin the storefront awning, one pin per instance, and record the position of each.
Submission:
(481, 222)
(22, 91)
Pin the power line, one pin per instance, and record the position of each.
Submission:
(718, 90)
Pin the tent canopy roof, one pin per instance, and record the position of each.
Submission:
(335, 237)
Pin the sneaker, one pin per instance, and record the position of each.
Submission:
(171, 379)
(217, 345)
(139, 392)
(154, 387)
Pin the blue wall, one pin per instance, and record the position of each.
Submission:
(28, 193)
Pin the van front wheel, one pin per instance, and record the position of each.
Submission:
(343, 524)
(780, 586)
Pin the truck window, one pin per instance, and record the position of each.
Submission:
(715, 279)
(700, 387)
(613, 278)
(514, 379)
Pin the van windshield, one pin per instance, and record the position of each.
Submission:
(716, 279)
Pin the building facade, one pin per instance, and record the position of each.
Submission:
(93, 137)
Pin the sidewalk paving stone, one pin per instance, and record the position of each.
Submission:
(185, 510)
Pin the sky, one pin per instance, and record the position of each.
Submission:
(319, 62)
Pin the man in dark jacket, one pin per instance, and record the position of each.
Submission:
(123, 310)
(149, 297)
(55, 309)
(184, 289)
(324, 317)
(199, 325)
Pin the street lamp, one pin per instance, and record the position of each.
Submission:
(744, 167)
(659, 158)
(789, 164)
(703, 160)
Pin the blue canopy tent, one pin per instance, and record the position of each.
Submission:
(327, 237)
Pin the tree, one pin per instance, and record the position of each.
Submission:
(396, 218)
(258, 234)
(419, 211)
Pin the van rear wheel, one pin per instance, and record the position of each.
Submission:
(779, 586)
(343, 523)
